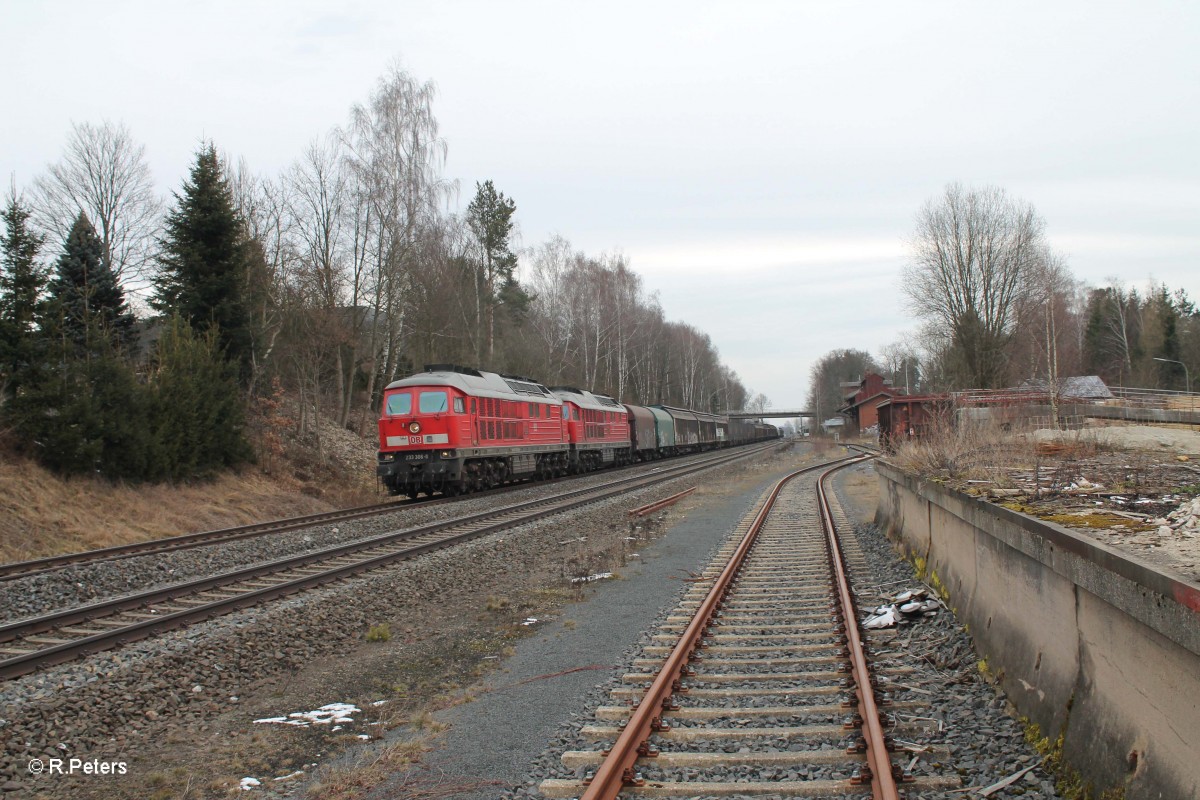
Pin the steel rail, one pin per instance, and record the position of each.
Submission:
(23, 569)
(70, 616)
(528, 511)
(617, 769)
(650, 508)
(879, 762)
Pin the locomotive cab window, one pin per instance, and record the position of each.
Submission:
(399, 404)
(459, 405)
(433, 403)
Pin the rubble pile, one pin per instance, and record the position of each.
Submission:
(1183, 520)
(908, 606)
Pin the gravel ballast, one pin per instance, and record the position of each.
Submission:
(111, 706)
(126, 703)
(80, 584)
(961, 713)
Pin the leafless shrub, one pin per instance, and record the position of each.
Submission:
(970, 449)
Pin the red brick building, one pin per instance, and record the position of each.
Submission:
(860, 408)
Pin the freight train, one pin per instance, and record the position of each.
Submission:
(455, 430)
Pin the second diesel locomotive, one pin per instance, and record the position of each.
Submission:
(454, 429)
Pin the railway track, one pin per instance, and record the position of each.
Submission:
(761, 682)
(25, 569)
(42, 641)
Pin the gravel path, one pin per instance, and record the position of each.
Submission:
(514, 721)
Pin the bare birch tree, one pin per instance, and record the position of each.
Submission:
(395, 155)
(262, 205)
(319, 208)
(103, 173)
(552, 320)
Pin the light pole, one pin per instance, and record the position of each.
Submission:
(1187, 383)
(1187, 380)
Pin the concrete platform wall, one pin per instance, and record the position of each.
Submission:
(1087, 641)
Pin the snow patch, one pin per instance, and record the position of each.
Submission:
(599, 576)
(333, 713)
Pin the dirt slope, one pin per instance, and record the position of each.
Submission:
(42, 514)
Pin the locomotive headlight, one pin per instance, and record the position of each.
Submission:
(414, 427)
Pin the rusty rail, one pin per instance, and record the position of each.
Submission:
(617, 770)
(878, 768)
(650, 508)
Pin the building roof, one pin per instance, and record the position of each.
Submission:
(866, 400)
(912, 399)
(1086, 386)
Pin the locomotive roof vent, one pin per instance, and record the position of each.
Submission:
(566, 389)
(518, 378)
(526, 386)
(453, 368)
(607, 401)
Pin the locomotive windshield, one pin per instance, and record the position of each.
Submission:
(399, 403)
(433, 403)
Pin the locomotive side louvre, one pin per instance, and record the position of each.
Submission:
(454, 429)
(598, 430)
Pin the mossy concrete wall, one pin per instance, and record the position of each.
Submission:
(1087, 641)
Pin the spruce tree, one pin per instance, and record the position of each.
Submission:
(86, 413)
(86, 294)
(198, 416)
(205, 261)
(22, 281)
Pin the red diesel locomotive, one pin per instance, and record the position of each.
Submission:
(597, 429)
(455, 429)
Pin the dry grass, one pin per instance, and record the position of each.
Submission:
(42, 514)
(968, 451)
(990, 452)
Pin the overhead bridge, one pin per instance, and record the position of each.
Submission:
(771, 413)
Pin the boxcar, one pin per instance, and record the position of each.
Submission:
(642, 430)
(712, 430)
(687, 429)
(664, 430)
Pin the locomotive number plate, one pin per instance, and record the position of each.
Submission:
(416, 457)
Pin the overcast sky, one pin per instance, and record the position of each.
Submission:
(760, 164)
